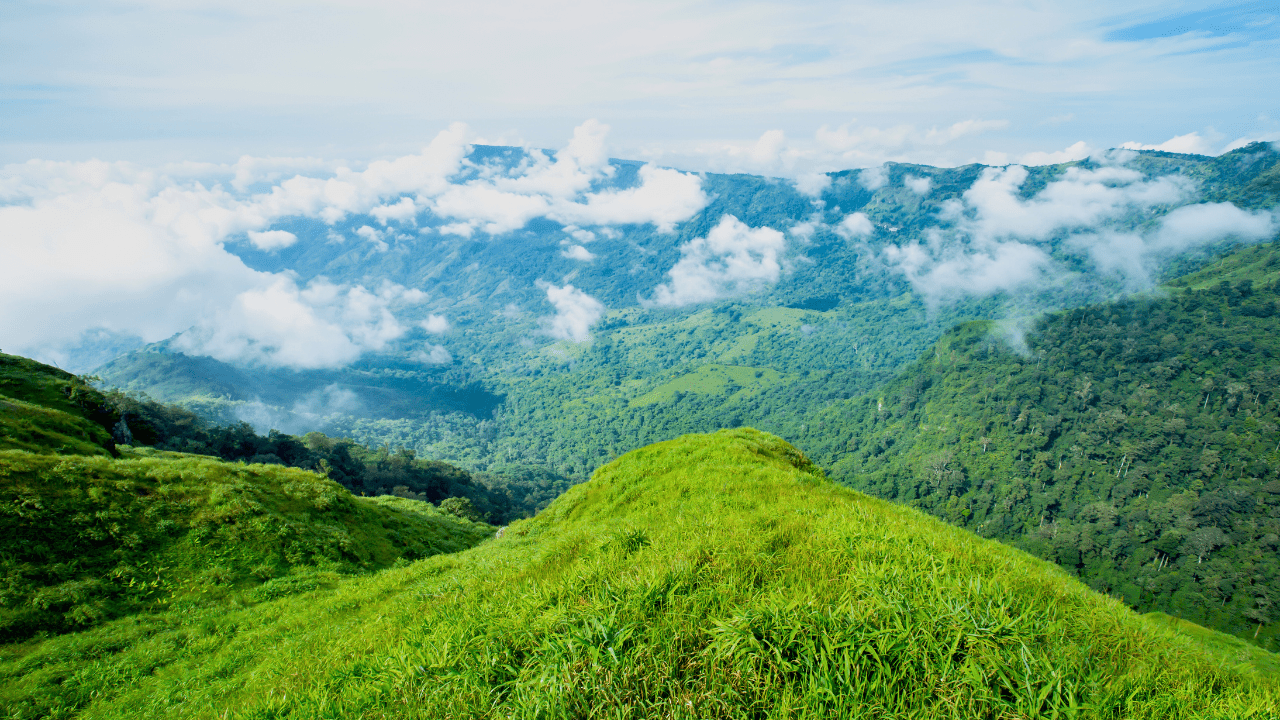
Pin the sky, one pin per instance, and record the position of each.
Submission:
(138, 138)
(783, 88)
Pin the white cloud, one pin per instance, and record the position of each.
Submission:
(918, 185)
(812, 184)
(582, 161)
(133, 251)
(774, 153)
(963, 128)
(1268, 137)
(663, 198)
(373, 236)
(484, 207)
(1000, 241)
(1077, 151)
(577, 252)
(560, 190)
(309, 412)
(732, 259)
(250, 171)
(855, 225)
(804, 230)
(411, 296)
(1079, 200)
(577, 233)
(864, 144)
(998, 266)
(321, 325)
(350, 192)
(873, 178)
(770, 154)
(769, 149)
(460, 229)
(433, 355)
(435, 324)
(1191, 143)
(1133, 256)
(97, 245)
(1193, 225)
(576, 312)
(400, 212)
(272, 239)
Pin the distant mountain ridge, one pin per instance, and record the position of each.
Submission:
(496, 355)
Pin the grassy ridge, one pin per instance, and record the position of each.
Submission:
(44, 409)
(708, 576)
(86, 539)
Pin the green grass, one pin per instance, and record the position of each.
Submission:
(1258, 263)
(44, 409)
(1230, 648)
(31, 427)
(709, 576)
(87, 539)
(713, 379)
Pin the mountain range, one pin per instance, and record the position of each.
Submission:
(748, 412)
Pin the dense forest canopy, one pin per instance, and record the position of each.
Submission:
(1135, 443)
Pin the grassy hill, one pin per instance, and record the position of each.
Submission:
(87, 539)
(1134, 443)
(709, 576)
(44, 409)
(91, 531)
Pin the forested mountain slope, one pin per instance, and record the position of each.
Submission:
(708, 576)
(492, 386)
(46, 410)
(1135, 443)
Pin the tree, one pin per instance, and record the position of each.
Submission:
(1205, 540)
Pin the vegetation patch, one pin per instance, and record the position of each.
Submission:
(1133, 443)
(712, 379)
(87, 539)
(711, 576)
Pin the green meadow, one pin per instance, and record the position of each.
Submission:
(708, 576)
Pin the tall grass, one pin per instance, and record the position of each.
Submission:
(85, 539)
(709, 576)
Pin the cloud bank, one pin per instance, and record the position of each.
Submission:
(733, 259)
(116, 248)
(576, 312)
(995, 240)
(320, 325)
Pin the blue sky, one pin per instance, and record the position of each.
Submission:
(777, 87)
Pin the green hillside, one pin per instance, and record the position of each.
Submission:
(708, 576)
(1134, 443)
(43, 409)
(86, 539)
(46, 410)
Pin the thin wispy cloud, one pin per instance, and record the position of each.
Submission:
(681, 82)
